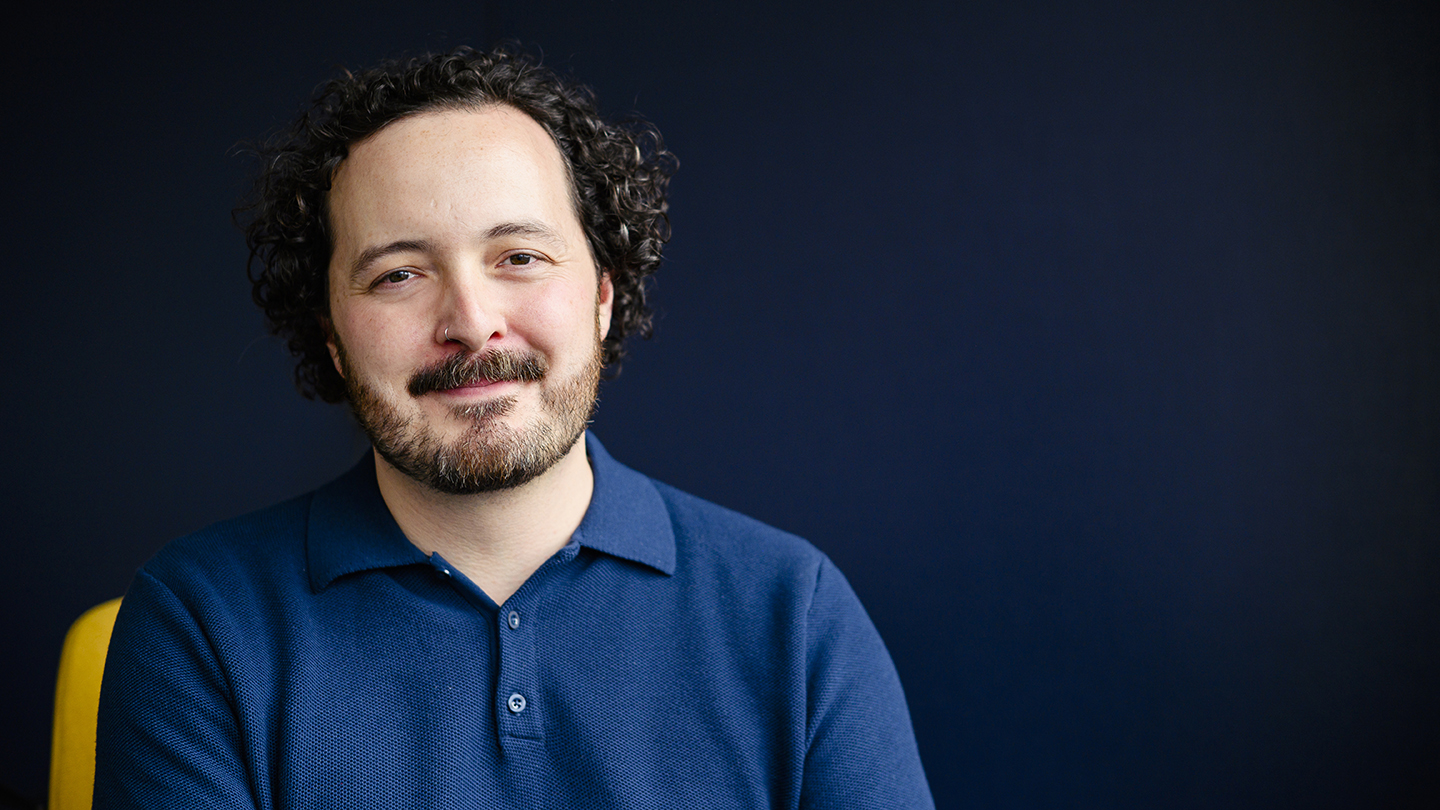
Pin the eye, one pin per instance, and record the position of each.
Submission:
(521, 259)
(394, 277)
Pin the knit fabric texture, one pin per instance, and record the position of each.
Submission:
(673, 654)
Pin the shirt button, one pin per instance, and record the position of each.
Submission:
(513, 620)
(516, 703)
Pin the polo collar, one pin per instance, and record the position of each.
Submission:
(350, 528)
(627, 518)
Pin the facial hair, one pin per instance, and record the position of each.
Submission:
(489, 454)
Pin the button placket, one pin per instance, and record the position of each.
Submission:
(518, 684)
(520, 708)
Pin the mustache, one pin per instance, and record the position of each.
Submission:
(467, 369)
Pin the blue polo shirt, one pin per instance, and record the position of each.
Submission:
(673, 654)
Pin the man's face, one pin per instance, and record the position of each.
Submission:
(466, 310)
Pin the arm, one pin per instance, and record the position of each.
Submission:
(861, 751)
(167, 734)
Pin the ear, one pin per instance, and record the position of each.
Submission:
(604, 303)
(332, 343)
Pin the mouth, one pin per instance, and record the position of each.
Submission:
(464, 373)
(475, 386)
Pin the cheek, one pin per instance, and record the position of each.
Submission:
(546, 315)
(374, 346)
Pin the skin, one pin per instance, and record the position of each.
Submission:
(454, 232)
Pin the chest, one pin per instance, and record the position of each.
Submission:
(407, 691)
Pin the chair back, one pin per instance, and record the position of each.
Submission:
(77, 701)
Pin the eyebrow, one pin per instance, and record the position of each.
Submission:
(534, 230)
(370, 255)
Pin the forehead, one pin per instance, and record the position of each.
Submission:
(461, 168)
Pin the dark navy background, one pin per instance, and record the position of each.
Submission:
(1097, 343)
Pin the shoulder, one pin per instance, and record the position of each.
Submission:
(717, 544)
(637, 517)
(274, 548)
(242, 535)
(241, 552)
(696, 520)
(761, 576)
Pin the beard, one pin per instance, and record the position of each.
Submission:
(488, 455)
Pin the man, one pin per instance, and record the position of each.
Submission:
(488, 611)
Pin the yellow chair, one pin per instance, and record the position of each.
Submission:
(77, 700)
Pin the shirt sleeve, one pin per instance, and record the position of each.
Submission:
(861, 747)
(167, 734)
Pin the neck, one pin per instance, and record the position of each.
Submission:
(497, 539)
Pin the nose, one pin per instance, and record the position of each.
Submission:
(470, 314)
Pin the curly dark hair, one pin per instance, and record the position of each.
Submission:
(619, 174)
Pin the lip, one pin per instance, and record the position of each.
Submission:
(483, 387)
